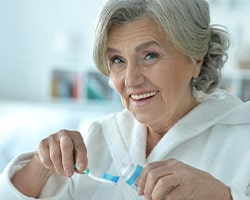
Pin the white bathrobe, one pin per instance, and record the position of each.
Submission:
(214, 137)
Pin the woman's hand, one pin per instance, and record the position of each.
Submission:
(174, 180)
(61, 150)
(57, 153)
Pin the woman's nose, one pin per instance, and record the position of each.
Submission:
(134, 76)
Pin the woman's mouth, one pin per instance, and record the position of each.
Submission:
(143, 96)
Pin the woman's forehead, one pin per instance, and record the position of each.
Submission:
(142, 30)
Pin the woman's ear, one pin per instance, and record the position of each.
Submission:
(197, 67)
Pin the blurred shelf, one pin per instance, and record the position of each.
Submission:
(237, 81)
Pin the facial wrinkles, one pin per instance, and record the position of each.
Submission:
(125, 43)
(125, 46)
(125, 39)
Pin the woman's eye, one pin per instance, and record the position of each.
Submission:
(116, 60)
(151, 56)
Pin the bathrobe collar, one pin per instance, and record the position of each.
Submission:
(126, 137)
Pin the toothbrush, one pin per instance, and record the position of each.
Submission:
(107, 178)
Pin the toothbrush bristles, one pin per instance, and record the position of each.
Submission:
(110, 177)
(107, 178)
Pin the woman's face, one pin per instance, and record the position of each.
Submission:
(151, 76)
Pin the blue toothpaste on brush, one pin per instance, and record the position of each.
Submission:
(106, 178)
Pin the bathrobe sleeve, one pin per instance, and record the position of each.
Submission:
(238, 195)
(78, 186)
(57, 188)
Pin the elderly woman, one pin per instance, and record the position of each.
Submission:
(164, 59)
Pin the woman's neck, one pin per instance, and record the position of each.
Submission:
(152, 140)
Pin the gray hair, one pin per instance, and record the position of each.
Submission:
(187, 25)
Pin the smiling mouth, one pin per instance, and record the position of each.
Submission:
(143, 96)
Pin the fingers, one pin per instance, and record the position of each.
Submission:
(67, 156)
(158, 179)
(42, 153)
(165, 187)
(172, 179)
(61, 150)
(165, 194)
(55, 155)
(80, 156)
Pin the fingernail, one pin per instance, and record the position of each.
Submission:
(80, 166)
(68, 172)
(139, 190)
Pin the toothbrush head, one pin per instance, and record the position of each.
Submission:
(110, 177)
(107, 178)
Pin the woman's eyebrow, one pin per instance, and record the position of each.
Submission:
(138, 48)
(109, 49)
(146, 44)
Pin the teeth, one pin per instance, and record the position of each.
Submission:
(143, 96)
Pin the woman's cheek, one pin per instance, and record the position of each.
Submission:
(117, 82)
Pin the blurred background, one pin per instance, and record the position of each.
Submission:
(47, 77)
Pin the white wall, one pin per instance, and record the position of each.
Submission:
(27, 32)
(236, 18)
